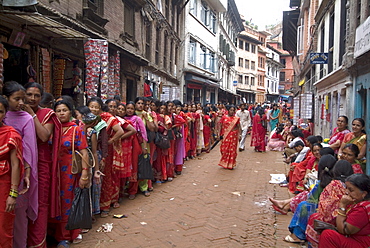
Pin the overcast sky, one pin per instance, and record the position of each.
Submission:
(262, 12)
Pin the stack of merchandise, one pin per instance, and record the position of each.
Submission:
(46, 83)
(114, 76)
(59, 68)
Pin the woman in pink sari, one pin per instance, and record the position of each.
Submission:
(47, 125)
(230, 130)
(259, 132)
(276, 142)
(27, 201)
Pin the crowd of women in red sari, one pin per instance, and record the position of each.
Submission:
(331, 206)
(40, 137)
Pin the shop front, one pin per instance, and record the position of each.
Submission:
(200, 89)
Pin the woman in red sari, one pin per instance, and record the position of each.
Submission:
(353, 216)
(47, 125)
(11, 159)
(114, 160)
(69, 181)
(259, 132)
(329, 200)
(230, 130)
(193, 130)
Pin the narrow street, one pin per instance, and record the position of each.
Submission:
(206, 206)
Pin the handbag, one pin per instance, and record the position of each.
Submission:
(151, 135)
(320, 226)
(144, 170)
(170, 134)
(80, 214)
(162, 141)
(77, 157)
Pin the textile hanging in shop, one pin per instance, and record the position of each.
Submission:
(147, 90)
(19, 3)
(96, 58)
(114, 75)
(45, 65)
(1, 63)
(59, 68)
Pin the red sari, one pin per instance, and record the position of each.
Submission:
(48, 180)
(258, 133)
(207, 131)
(125, 171)
(10, 140)
(160, 164)
(113, 163)
(229, 145)
(193, 133)
(68, 181)
(328, 203)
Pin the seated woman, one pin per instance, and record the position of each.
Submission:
(298, 224)
(357, 137)
(350, 153)
(353, 216)
(276, 142)
(329, 200)
(291, 204)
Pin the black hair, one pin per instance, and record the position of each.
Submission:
(117, 98)
(228, 107)
(298, 143)
(326, 151)
(4, 102)
(46, 99)
(84, 110)
(319, 138)
(177, 102)
(297, 133)
(111, 100)
(69, 99)
(345, 117)
(354, 148)
(36, 85)
(312, 139)
(139, 98)
(65, 102)
(97, 100)
(326, 165)
(156, 102)
(11, 87)
(317, 144)
(279, 129)
(342, 170)
(362, 182)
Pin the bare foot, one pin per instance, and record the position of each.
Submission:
(279, 204)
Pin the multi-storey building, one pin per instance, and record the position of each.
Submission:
(261, 67)
(230, 26)
(201, 41)
(246, 64)
(100, 47)
(273, 68)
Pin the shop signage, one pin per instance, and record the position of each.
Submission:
(235, 83)
(362, 39)
(319, 58)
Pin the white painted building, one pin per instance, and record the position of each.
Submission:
(273, 67)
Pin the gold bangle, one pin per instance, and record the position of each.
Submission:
(13, 194)
(85, 179)
(341, 214)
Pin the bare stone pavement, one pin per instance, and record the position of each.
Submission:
(207, 206)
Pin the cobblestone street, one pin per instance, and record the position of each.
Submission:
(206, 206)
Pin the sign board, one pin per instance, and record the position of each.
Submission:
(319, 58)
(362, 39)
(235, 83)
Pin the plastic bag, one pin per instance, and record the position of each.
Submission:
(80, 214)
(144, 170)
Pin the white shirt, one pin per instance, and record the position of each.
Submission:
(292, 143)
(244, 118)
(302, 154)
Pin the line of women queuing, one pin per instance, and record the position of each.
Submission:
(332, 203)
(38, 146)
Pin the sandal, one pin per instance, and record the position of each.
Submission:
(78, 239)
(280, 210)
(63, 244)
(85, 230)
(289, 239)
(146, 193)
(131, 197)
(116, 205)
(104, 214)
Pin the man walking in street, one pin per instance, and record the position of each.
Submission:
(244, 122)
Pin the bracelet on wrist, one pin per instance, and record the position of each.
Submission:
(83, 168)
(85, 179)
(341, 214)
(13, 193)
(27, 167)
(34, 116)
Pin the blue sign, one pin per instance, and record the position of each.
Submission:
(235, 83)
(319, 58)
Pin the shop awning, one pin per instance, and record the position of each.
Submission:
(197, 79)
(245, 90)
